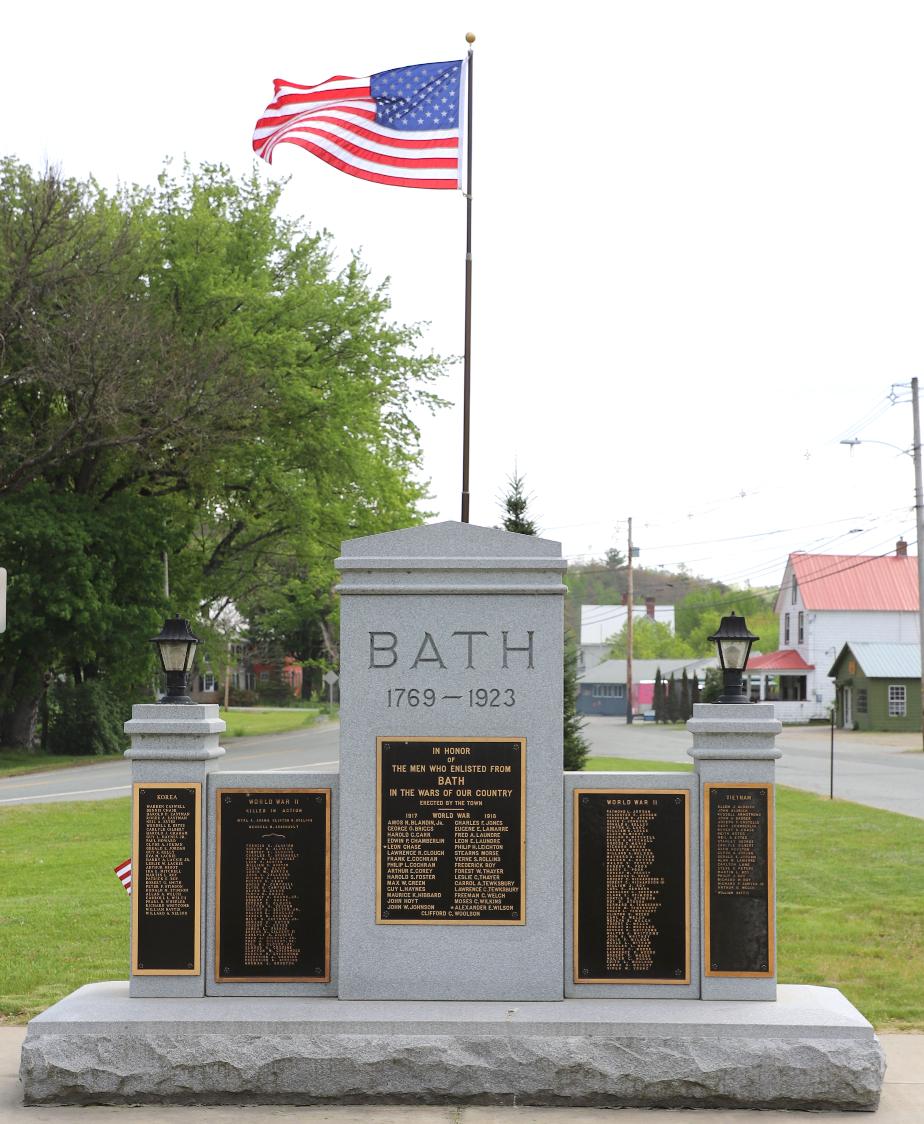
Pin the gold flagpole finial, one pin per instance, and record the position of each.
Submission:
(470, 37)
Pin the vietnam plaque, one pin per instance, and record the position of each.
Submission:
(451, 831)
(738, 844)
(631, 886)
(272, 894)
(166, 870)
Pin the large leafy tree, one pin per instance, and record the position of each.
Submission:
(183, 371)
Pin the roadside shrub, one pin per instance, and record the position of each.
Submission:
(238, 696)
(86, 719)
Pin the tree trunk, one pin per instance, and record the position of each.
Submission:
(19, 724)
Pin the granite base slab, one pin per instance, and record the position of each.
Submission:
(808, 1050)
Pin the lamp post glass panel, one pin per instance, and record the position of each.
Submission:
(176, 646)
(733, 641)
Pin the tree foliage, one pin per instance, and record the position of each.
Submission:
(184, 371)
(651, 640)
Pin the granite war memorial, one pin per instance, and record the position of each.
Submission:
(451, 919)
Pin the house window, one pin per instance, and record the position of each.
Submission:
(264, 677)
(802, 628)
(862, 701)
(795, 589)
(609, 691)
(207, 682)
(786, 628)
(896, 700)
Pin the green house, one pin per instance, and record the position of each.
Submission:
(878, 686)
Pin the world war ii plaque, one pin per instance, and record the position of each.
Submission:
(272, 897)
(451, 831)
(166, 868)
(738, 837)
(631, 886)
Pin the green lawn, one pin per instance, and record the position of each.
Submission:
(850, 893)
(14, 761)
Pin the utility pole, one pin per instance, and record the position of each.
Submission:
(919, 524)
(629, 627)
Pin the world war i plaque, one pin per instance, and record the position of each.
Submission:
(272, 897)
(166, 872)
(451, 831)
(631, 886)
(738, 840)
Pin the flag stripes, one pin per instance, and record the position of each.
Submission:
(124, 874)
(377, 128)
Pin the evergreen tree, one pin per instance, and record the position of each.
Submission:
(694, 692)
(515, 504)
(573, 741)
(659, 697)
(686, 708)
(672, 708)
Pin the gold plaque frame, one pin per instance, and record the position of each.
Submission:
(326, 793)
(196, 786)
(575, 883)
(379, 919)
(708, 786)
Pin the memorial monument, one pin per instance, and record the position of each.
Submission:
(453, 920)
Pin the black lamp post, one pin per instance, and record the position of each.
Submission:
(734, 644)
(176, 647)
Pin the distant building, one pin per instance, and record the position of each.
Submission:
(827, 601)
(878, 686)
(602, 689)
(600, 623)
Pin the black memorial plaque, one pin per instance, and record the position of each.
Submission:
(272, 901)
(451, 831)
(739, 880)
(166, 879)
(631, 886)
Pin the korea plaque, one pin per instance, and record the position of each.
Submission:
(166, 872)
(451, 831)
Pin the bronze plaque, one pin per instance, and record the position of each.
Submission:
(738, 844)
(451, 831)
(166, 873)
(631, 886)
(272, 892)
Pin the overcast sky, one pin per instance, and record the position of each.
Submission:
(698, 240)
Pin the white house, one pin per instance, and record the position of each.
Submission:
(826, 601)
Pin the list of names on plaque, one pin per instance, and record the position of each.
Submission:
(166, 904)
(631, 882)
(738, 880)
(273, 894)
(451, 831)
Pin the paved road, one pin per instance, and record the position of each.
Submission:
(316, 747)
(881, 770)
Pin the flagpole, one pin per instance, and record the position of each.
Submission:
(467, 358)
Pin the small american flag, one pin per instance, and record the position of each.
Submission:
(124, 874)
(401, 127)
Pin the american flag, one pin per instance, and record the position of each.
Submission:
(401, 127)
(124, 874)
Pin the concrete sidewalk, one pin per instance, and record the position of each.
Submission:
(902, 1103)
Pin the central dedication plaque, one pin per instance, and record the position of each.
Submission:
(738, 843)
(272, 899)
(450, 839)
(631, 886)
(167, 870)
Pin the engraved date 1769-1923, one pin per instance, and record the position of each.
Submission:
(491, 697)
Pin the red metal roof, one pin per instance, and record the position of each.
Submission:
(786, 660)
(855, 582)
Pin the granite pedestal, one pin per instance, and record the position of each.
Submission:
(808, 1050)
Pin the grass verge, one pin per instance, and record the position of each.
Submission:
(14, 762)
(850, 901)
